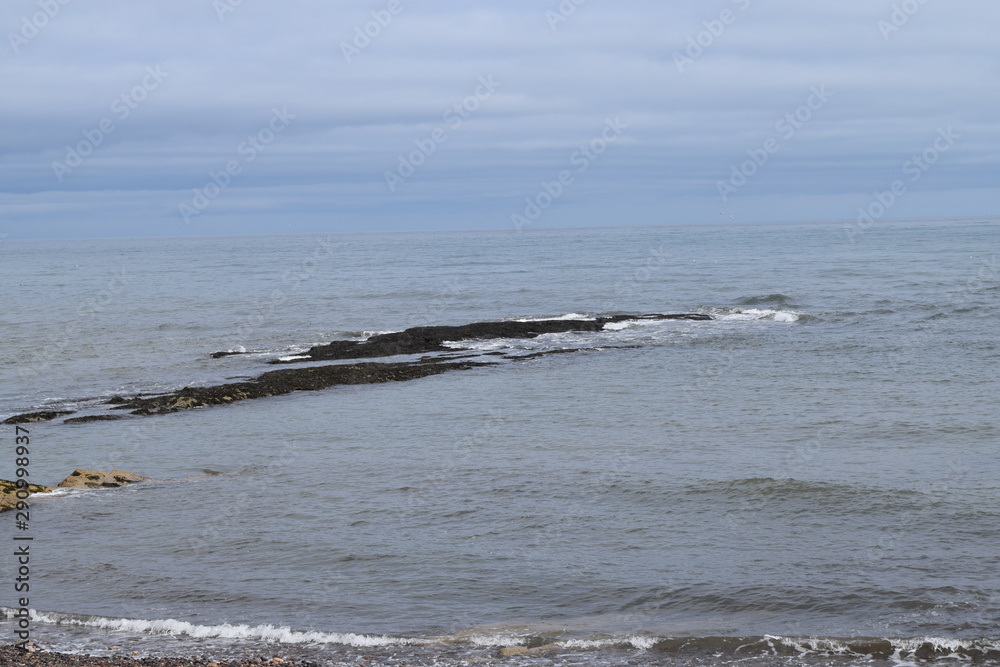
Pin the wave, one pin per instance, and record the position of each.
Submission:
(775, 299)
(752, 314)
(789, 487)
(883, 648)
(567, 316)
(725, 649)
(175, 628)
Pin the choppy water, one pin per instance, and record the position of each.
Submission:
(820, 461)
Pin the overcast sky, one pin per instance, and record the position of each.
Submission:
(124, 118)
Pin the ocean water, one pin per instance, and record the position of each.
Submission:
(810, 477)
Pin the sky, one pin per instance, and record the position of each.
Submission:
(219, 117)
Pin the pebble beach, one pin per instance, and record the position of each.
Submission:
(12, 655)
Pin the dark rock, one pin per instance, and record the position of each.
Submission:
(285, 381)
(227, 353)
(535, 355)
(30, 417)
(91, 418)
(419, 340)
(880, 649)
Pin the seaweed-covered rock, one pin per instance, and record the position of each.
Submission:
(97, 479)
(91, 418)
(287, 380)
(43, 416)
(418, 340)
(8, 493)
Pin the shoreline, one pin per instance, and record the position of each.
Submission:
(11, 655)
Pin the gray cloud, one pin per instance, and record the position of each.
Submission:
(693, 112)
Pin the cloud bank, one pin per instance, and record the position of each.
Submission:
(242, 116)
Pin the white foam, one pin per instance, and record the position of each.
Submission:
(567, 316)
(637, 322)
(294, 357)
(479, 345)
(268, 633)
(492, 639)
(636, 641)
(752, 314)
(902, 646)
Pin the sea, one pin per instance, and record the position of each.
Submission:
(811, 477)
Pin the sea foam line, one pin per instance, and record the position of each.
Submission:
(267, 632)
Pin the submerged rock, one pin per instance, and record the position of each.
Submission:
(227, 353)
(91, 418)
(95, 479)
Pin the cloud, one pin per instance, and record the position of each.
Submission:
(700, 86)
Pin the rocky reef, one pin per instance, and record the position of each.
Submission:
(30, 417)
(79, 478)
(420, 340)
(96, 479)
(285, 381)
(429, 340)
(9, 489)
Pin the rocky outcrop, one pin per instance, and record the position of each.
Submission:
(43, 416)
(91, 418)
(97, 479)
(8, 493)
(413, 341)
(227, 353)
(285, 381)
(419, 340)
(87, 479)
